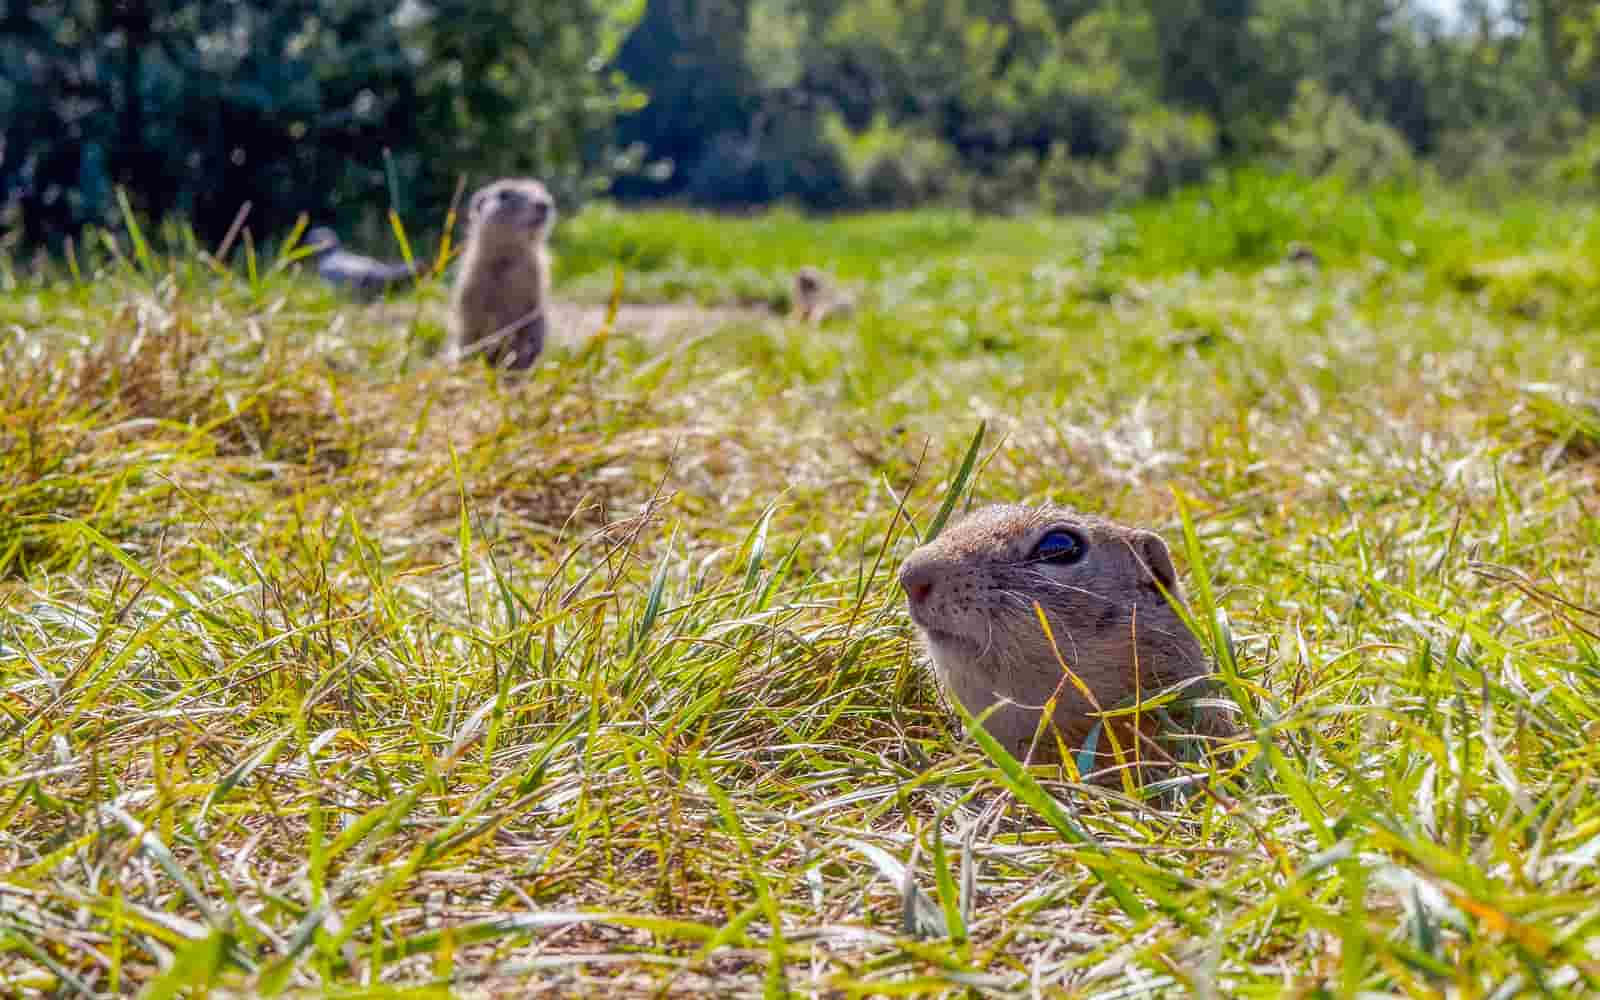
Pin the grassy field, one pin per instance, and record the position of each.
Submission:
(327, 667)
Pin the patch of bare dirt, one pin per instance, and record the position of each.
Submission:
(573, 323)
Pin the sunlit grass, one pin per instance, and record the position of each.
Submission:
(325, 665)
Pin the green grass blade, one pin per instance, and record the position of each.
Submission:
(957, 485)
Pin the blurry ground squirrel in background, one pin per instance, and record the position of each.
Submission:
(972, 591)
(1302, 255)
(814, 298)
(502, 290)
(365, 277)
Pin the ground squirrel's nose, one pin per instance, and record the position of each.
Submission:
(917, 580)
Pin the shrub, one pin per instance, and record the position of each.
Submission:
(784, 158)
(1166, 150)
(1323, 133)
(335, 109)
(893, 166)
(1580, 166)
(1069, 184)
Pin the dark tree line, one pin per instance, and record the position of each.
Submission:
(330, 107)
(344, 108)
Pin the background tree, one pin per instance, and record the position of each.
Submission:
(1209, 58)
(334, 108)
(341, 108)
(1571, 33)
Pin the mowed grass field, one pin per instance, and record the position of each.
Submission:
(330, 668)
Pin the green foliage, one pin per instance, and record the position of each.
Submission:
(1555, 285)
(508, 87)
(1580, 167)
(341, 110)
(1368, 53)
(1070, 184)
(1166, 151)
(784, 157)
(1072, 105)
(345, 109)
(1252, 217)
(895, 166)
(1209, 59)
(1160, 151)
(1571, 29)
(678, 254)
(1324, 134)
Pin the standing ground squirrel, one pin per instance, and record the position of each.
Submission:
(502, 289)
(814, 298)
(972, 592)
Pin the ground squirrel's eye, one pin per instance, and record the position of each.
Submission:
(1060, 546)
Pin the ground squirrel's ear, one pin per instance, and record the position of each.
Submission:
(475, 206)
(1152, 552)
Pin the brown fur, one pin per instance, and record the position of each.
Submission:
(971, 593)
(502, 291)
(813, 298)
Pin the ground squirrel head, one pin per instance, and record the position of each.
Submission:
(813, 297)
(808, 281)
(1302, 254)
(512, 208)
(1103, 588)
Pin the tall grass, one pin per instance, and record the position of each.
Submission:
(326, 668)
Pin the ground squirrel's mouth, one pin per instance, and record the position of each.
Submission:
(932, 628)
(943, 637)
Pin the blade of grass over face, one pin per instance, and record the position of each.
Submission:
(328, 666)
(957, 485)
